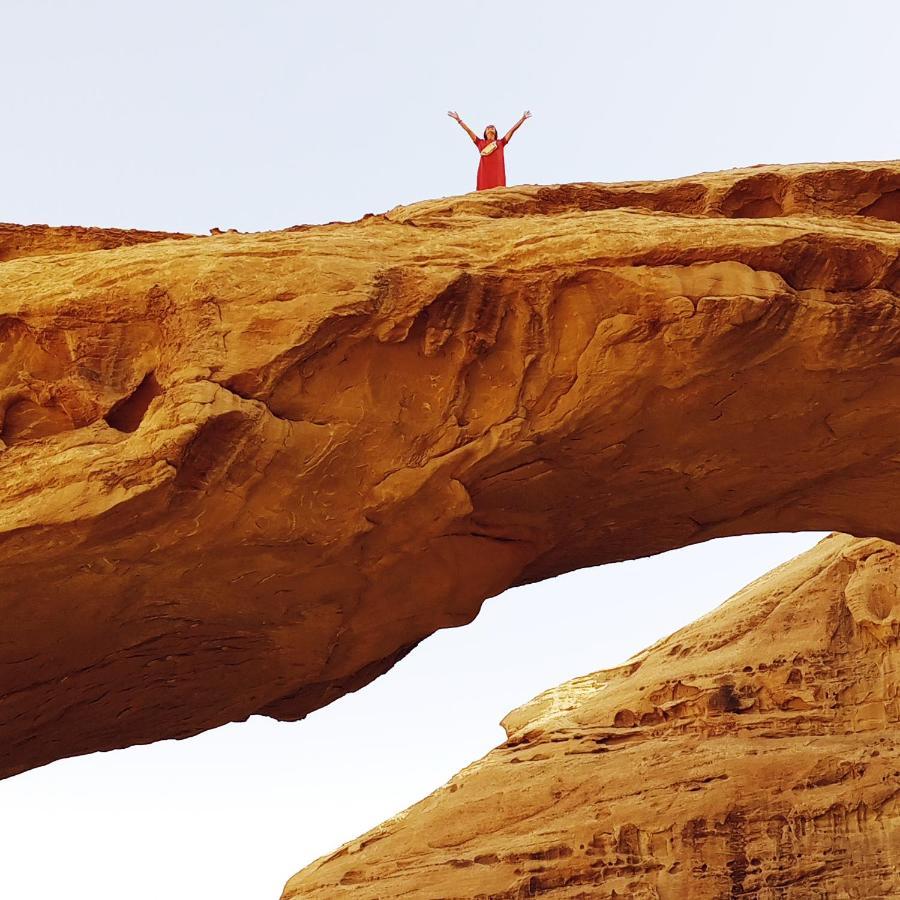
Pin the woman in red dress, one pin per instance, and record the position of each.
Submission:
(491, 167)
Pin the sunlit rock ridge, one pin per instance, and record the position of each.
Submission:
(754, 753)
(246, 473)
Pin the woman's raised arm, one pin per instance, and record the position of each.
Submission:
(509, 134)
(468, 130)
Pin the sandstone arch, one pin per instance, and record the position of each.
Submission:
(358, 432)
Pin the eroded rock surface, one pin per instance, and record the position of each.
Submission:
(246, 473)
(754, 753)
(18, 241)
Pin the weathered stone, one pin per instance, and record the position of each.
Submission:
(754, 753)
(17, 241)
(246, 473)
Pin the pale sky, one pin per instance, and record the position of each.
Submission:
(187, 115)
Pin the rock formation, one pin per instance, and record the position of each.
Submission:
(246, 473)
(754, 753)
(17, 241)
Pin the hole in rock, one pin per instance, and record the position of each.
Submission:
(757, 197)
(128, 413)
(541, 635)
(887, 206)
(25, 420)
(823, 262)
(761, 208)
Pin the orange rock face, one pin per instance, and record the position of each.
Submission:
(754, 753)
(246, 473)
(17, 241)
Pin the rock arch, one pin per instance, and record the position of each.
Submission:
(358, 432)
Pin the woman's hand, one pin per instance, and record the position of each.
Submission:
(526, 115)
(454, 115)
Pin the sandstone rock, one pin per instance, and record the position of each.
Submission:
(246, 473)
(754, 753)
(18, 241)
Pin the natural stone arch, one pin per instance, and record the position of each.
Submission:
(358, 432)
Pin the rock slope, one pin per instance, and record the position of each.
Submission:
(246, 473)
(754, 753)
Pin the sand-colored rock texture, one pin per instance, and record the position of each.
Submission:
(754, 753)
(18, 241)
(246, 473)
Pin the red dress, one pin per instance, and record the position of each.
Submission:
(491, 168)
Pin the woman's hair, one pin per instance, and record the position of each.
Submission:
(486, 130)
